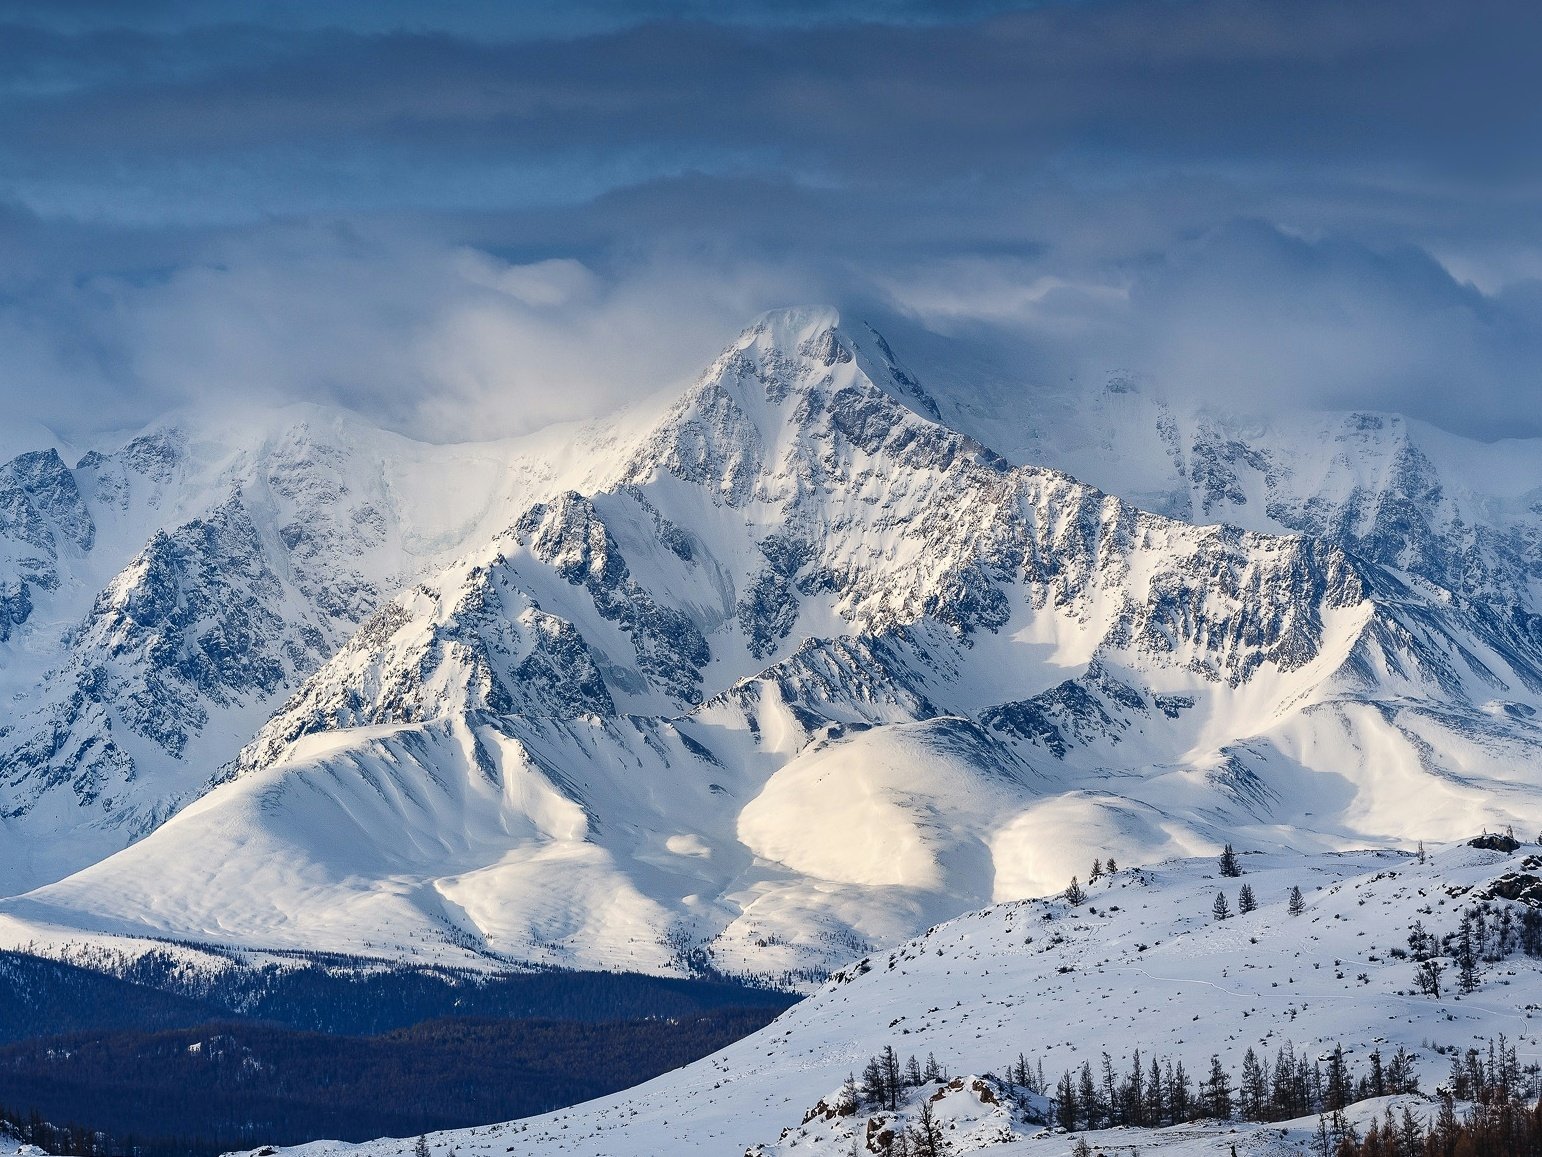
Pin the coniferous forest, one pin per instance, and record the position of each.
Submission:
(225, 1086)
(161, 1062)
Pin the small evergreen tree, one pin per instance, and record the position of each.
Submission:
(1377, 1085)
(1245, 901)
(1022, 1073)
(926, 1134)
(1297, 903)
(1065, 1103)
(1156, 1102)
(1229, 865)
(1180, 1093)
(1097, 872)
(1111, 1114)
(933, 1070)
(1421, 851)
(1457, 1079)
(1466, 960)
(1427, 975)
(421, 1148)
(1402, 1073)
(1322, 1144)
(1336, 1090)
(1073, 893)
(1216, 1092)
(1220, 908)
(1132, 1096)
(849, 1099)
(1253, 1092)
(891, 1076)
(875, 1093)
(1093, 1111)
(1113, 867)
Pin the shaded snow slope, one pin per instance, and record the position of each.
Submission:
(795, 671)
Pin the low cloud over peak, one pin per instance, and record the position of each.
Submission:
(461, 224)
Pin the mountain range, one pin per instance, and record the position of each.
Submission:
(751, 680)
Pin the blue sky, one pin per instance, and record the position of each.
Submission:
(463, 217)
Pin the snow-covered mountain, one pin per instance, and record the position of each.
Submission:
(1463, 515)
(160, 599)
(1141, 966)
(793, 669)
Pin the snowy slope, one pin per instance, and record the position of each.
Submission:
(801, 671)
(160, 598)
(1141, 964)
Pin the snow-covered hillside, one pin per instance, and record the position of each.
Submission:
(796, 670)
(159, 599)
(1141, 964)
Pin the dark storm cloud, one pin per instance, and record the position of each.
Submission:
(1308, 200)
(1432, 88)
(483, 19)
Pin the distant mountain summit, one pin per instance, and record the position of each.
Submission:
(754, 683)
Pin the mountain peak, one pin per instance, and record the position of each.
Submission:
(791, 325)
(811, 342)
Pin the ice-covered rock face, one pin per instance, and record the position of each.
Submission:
(41, 514)
(196, 627)
(797, 670)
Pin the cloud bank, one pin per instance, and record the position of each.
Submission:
(462, 219)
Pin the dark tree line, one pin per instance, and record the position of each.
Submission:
(1155, 1092)
(125, 1025)
(1493, 1075)
(1485, 1131)
(41, 997)
(74, 1140)
(189, 1092)
(1503, 1120)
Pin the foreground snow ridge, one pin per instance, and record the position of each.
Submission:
(1142, 963)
